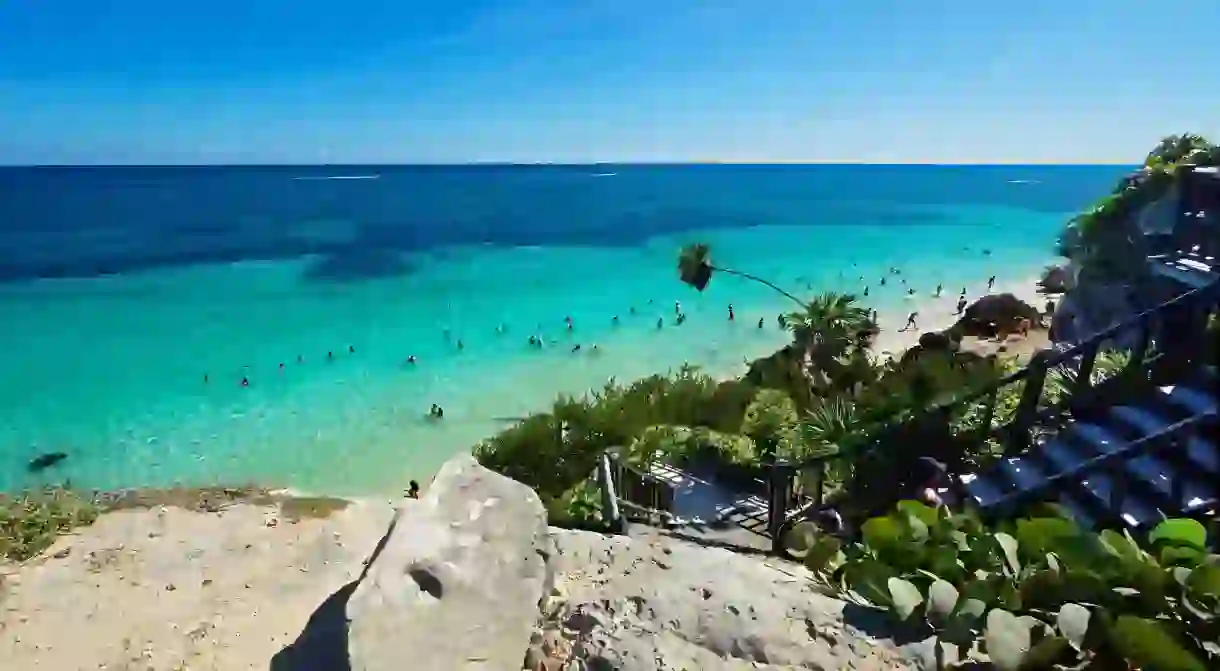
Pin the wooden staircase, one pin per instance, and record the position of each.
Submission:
(1131, 464)
(1128, 451)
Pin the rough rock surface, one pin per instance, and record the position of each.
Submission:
(996, 313)
(458, 581)
(1091, 307)
(169, 589)
(659, 604)
(1057, 279)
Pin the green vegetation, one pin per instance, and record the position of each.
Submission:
(1036, 593)
(30, 522)
(1103, 239)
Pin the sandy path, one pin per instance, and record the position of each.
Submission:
(169, 589)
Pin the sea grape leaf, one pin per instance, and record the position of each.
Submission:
(1180, 531)
(821, 553)
(920, 511)
(1073, 623)
(1042, 535)
(1009, 546)
(868, 578)
(882, 534)
(904, 596)
(942, 600)
(1147, 645)
(1007, 638)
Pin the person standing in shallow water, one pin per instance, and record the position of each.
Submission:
(961, 304)
(413, 490)
(730, 312)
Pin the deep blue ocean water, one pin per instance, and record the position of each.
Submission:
(122, 288)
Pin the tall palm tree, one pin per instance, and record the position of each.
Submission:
(832, 323)
(695, 268)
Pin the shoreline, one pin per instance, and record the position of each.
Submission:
(935, 314)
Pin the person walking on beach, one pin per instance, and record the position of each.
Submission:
(760, 325)
(961, 304)
(911, 325)
(939, 289)
(991, 283)
(413, 490)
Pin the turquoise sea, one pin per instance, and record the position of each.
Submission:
(122, 288)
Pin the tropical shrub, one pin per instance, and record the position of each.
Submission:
(1037, 593)
(31, 521)
(1104, 239)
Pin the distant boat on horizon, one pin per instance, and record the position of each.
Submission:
(1023, 181)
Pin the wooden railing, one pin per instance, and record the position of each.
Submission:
(1170, 334)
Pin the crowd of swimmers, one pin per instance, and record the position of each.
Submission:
(536, 340)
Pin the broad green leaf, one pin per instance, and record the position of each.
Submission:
(1042, 535)
(905, 597)
(1007, 638)
(882, 533)
(942, 599)
(1073, 623)
(1008, 545)
(1183, 531)
(920, 511)
(1175, 555)
(1204, 580)
(1147, 645)
(1045, 652)
(868, 578)
(822, 552)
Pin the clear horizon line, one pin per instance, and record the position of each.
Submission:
(489, 163)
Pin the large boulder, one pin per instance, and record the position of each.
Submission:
(654, 603)
(996, 313)
(1057, 279)
(459, 580)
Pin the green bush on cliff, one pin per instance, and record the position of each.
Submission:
(1103, 239)
(1037, 593)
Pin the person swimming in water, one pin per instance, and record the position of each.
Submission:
(300, 359)
(330, 356)
(576, 347)
(436, 412)
(351, 349)
(411, 359)
(245, 382)
(882, 280)
(681, 318)
(615, 320)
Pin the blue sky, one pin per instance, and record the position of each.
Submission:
(138, 81)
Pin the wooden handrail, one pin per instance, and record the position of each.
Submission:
(1041, 364)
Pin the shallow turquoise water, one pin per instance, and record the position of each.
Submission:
(111, 370)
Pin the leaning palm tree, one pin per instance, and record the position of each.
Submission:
(831, 322)
(695, 268)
